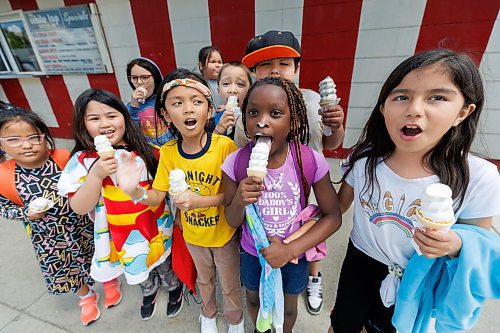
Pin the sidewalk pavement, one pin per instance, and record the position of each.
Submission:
(26, 307)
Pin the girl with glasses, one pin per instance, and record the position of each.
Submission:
(62, 240)
(144, 76)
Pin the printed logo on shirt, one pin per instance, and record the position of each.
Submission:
(279, 207)
(389, 212)
(202, 183)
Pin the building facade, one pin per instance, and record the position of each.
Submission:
(356, 42)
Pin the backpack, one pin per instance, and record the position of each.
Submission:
(308, 163)
(7, 175)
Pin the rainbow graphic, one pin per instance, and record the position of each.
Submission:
(405, 224)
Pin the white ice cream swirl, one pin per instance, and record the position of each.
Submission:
(327, 90)
(437, 204)
(102, 143)
(177, 179)
(259, 157)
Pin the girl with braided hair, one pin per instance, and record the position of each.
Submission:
(274, 108)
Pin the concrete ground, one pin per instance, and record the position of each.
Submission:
(26, 307)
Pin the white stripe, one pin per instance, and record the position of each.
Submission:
(5, 6)
(190, 24)
(121, 37)
(488, 137)
(45, 4)
(38, 100)
(381, 45)
(280, 15)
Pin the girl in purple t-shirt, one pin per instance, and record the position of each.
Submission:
(274, 108)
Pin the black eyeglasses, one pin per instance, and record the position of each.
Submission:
(144, 78)
(17, 141)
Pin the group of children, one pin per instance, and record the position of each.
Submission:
(113, 216)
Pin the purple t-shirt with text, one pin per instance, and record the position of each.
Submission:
(279, 203)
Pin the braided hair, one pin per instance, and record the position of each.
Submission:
(299, 125)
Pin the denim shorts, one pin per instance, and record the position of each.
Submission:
(294, 276)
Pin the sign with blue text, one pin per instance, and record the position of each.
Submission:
(66, 40)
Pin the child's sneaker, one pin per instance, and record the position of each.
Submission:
(90, 310)
(236, 328)
(208, 325)
(314, 295)
(148, 307)
(112, 293)
(175, 301)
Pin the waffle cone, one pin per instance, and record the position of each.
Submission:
(256, 173)
(106, 154)
(177, 195)
(433, 224)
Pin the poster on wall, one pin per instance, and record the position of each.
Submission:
(66, 40)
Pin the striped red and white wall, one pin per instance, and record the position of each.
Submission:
(356, 42)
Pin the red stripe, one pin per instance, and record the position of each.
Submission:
(15, 93)
(154, 34)
(24, 4)
(465, 26)
(329, 38)
(232, 24)
(61, 104)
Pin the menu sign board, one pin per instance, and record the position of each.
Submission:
(66, 40)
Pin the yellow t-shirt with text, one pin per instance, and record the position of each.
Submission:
(205, 227)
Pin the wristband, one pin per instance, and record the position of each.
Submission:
(142, 197)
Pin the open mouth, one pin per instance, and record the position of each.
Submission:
(262, 137)
(411, 130)
(190, 123)
(108, 133)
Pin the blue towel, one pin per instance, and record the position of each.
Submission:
(272, 306)
(452, 290)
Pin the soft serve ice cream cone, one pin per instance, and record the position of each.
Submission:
(257, 166)
(103, 146)
(40, 205)
(232, 102)
(178, 185)
(145, 92)
(436, 208)
(328, 93)
(232, 105)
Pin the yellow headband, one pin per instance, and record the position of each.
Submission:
(191, 84)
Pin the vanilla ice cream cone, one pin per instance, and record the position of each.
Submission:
(256, 173)
(106, 154)
(434, 225)
(257, 165)
(436, 208)
(40, 205)
(328, 93)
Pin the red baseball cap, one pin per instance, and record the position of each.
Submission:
(273, 44)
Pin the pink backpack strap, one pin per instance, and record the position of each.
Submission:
(241, 162)
(309, 165)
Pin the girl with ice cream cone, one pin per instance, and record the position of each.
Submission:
(274, 110)
(29, 194)
(184, 101)
(233, 82)
(419, 134)
(144, 76)
(131, 238)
